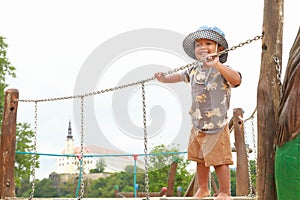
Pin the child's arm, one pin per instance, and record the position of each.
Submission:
(232, 76)
(173, 78)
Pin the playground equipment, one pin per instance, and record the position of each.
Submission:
(267, 110)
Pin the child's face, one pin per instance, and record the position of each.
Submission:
(203, 47)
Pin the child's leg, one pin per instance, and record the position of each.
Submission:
(223, 174)
(202, 176)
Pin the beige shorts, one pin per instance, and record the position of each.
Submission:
(210, 149)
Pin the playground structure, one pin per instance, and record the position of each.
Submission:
(236, 124)
(266, 112)
(9, 133)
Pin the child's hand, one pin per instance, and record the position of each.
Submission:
(212, 60)
(160, 77)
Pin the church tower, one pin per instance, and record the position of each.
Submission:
(70, 164)
(70, 141)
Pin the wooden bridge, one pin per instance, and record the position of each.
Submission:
(143, 198)
(7, 151)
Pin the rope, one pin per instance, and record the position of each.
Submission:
(102, 155)
(79, 180)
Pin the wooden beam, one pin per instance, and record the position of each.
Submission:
(8, 144)
(143, 198)
(242, 175)
(171, 178)
(268, 97)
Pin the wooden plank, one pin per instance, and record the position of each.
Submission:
(268, 97)
(151, 198)
(171, 178)
(242, 175)
(8, 144)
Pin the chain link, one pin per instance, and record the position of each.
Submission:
(253, 138)
(240, 45)
(81, 148)
(145, 143)
(251, 192)
(142, 82)
(35, 151)
(278, 73)
(249, 166)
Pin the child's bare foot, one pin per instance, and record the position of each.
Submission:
(201, 194)
(223, 196)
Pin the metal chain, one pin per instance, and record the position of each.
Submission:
(35, 151)
(249, 168)
(253, 138)
(141, 81)
(145, 143)
(254, 152)
(278, 73)
(241, 44)
(81, 148)
(251, 193)
(110, 90)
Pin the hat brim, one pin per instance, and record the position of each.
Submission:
(189, 42)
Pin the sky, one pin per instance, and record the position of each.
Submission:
(65, 48)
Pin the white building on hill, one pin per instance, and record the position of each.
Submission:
(71, 164)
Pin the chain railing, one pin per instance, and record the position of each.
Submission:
(145, 142)
(141, 81)
(34, 151)
(82, 96)
(251, 192)
(81, 147)
(278, 73)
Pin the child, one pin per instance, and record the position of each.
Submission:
(211, 83)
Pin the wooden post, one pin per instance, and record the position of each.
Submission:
(268, 97)
(171, 178)
(190, 189)
(8, 144)
(242, 175)
(116, 191)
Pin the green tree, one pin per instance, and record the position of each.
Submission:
(233, 177)
(253, 168)
(23, 133)
(232, 181)
(24, 162)
(100, 166)
(160, 166)
(124, 180)
(105, 187)
(6, 69)
(45, 189)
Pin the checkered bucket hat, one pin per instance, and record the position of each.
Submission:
(205, 32)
